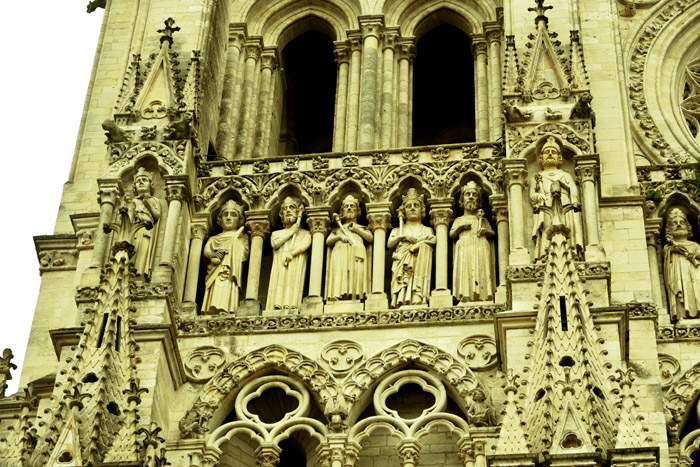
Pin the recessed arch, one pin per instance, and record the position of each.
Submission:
(470, 14)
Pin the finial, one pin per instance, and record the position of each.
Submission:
(540, 9)
(168, 30)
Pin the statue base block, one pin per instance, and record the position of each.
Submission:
(595, 253)
(501, 295)
(248, 307)
(162, 273)
(90, 277)
(440, 298)
(312, 305)
(188, 309)
(344, 306)
(377, 302)
(519, 256)
(284, 312)
(688, 323)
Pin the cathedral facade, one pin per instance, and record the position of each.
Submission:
(368, 233)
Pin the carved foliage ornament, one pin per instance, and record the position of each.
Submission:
(690, 105)
(203, 363)
(669, 368)
(342, 355)
(169, 153)
(479, 351)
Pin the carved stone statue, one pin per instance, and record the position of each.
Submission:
(144, 212)
(681, 267)
(226, 253)
(541, 185)
(413, 253)
(479, 411)
(290, 246)
(6, 366)
(473, 271)
(348, 273)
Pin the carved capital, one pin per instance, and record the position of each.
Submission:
(391, 38)
(587, 168)
(355, 40)
(516, 171)
(407, 49)
(198, 231)
(269, 59)
(319, 224)
(379, 220)
(258, 228)
(409, 451)
(108, 195)
(267, 455)
(175, 192)
(252, 50)
(341, 50)
(440, 216)
(493, 32)
(236, 39)
(371, 26)
(479, 45)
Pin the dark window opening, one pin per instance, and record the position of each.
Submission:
(309, 107)
(292, 455)
(113, 408)
(102, 330)
(119, 333)
(90, 378)
(562, 310)
(566, 361)
(443, 88)
(598, 392)
(539, 395)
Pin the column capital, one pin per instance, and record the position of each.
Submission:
(319, 219)
(108, 195)
(267, 455)
(258, 223)
(587, 168)
(466, 449)
(253, 48)
(391, 36)
(652, 229)
(237, 33)
(379, 216)
(269, 58)
(407, 48)
(479, 44)
(492, 31)
(409, 450)
(440, 211)
(199, 231)
(352, 453)
(371, 25)
(355, 41)
(175, 191)
(516, 171)
(341, 50)
(499, 206)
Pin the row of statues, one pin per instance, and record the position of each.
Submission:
(348, 267)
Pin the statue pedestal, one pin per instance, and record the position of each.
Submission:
(90, 277)
(248, 307)
(284, 312)
(688, 323)
(162, 273)
(440, 298)
(344, 306)
(595, 253)
(501, 295)
(312, 305)
(377, 302)
(519, 256)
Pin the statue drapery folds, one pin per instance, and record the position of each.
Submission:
(144, 211)
(681, 267)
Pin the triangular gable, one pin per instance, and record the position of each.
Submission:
(571, 437)
(66, 453)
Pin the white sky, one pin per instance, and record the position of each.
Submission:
(47, 52)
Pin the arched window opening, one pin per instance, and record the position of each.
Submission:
(310, 74)
(443, 88)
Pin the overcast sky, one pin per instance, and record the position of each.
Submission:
(48, 49)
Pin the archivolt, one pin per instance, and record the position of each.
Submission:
(410, 14)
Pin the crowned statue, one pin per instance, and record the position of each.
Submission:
(144, 212)
(412, 260)
(681, 267)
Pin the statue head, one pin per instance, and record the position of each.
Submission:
(471, 196)
(350, 208)
(550, 155)
(143, 182)
(677, 224)
(290, 209)
(413, 206)
(230, 216)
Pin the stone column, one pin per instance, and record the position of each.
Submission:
(379, 217)
(319, 222)
(516, 178)
(268, 65)
(466, 451)
(247, 112)
(107, 197)
(342, 59)
(267, 455)
(198, 233)
(406, 54)
(228, 113)
(352, 454)
(479, 50)
(176, 193)
(391, 38)
(409, 452)
(653, 231)
(587, 169)
(370, 27)
(493, 37)
(355, 39)
(441, 216)
(499, 206)
(479, 453)
(258, 223)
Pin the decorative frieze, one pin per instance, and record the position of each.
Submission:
(56, 252)
(535, 272)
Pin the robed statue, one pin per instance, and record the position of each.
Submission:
(681, 267)
(144, 212)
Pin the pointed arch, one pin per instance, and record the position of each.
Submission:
(458, 378)
(679, 399)
(411, 14)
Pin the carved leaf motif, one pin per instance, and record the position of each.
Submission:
(202, 363)
(342, 355)
(479, 351)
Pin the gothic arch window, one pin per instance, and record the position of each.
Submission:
(443, 87)
(690, 97)
(309, 77)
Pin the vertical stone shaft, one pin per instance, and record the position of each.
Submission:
(341, 96)
(370, 56)
(268, 65)
(198, 233)
(501, 217)
(441, 215)
(587, 171)
(516, 174)
(258, 228)
(176, 195)
(107, 198)
(387, 116)
(402, 132)
(319, 222)
(228, 111)
(493, 35)
(354, 91)
(252, 51)
(481, 83)
(653, 244)
(379, 222)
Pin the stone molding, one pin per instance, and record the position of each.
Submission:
(535, 272)
(56, 252)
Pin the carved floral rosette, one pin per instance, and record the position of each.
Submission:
(342, 355)
(203, 363)
(479, 351)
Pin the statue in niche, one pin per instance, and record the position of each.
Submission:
(290, 246)
(413, 253)
(681, 267)
(473, 271)
(226, 253)
(144, 211)
(541, 186)
(348, 270)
